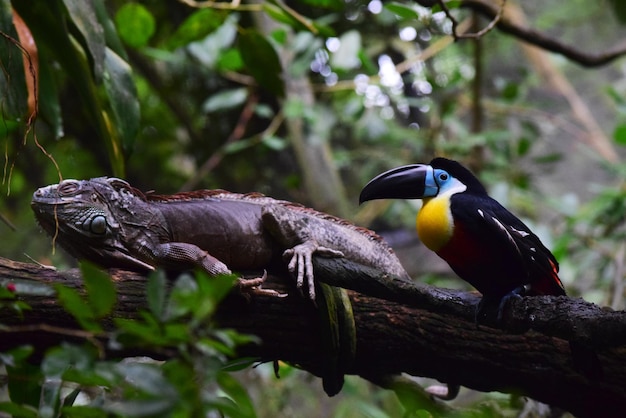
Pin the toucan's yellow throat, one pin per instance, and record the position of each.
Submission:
(434, 222)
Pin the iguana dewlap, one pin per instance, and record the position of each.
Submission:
(108, 222)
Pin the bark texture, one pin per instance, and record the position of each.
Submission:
(419, 330)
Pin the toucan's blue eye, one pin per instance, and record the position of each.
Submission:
(443, 176)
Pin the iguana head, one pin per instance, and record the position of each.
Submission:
(86, 217)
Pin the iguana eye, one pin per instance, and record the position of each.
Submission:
(98, 225)
(67, 187)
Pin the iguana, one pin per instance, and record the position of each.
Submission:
(108, 222)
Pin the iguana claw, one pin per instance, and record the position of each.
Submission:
(250, 287)
(301, 263)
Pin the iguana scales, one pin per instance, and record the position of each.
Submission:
(108, 222)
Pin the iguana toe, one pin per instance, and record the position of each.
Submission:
(444, 392)
(301, 266)
(249, 287)
(328, 252)
(301, 263)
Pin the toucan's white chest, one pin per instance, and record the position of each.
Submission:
(435, 224)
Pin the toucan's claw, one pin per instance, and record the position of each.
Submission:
(516, 293)
(481, 308)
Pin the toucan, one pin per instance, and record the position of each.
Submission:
(484, 243)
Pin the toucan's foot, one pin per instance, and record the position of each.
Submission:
(516, 293)
(480, 309)
(490, 301)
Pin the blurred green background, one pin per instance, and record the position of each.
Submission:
(307, 101)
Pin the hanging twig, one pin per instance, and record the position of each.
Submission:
(471, 35)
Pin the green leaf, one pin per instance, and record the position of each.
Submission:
(156, 291)
(8, 126)
(133, 332)
(181, 298)
(62, 358)
(294, 108)
(402, 10)
(101, 294)
(238, 146)
(122, 94)
(85, 378)
(261, 61)
(197, 26)
(523, 146)
(16, 356)
(274, 142)
(83, 15)
(24, 384)
(225, 99)
(213, 348)
(135, 24)
(112, 40)
(12, 79)
(280, 35)
(230, 60)
(510, 91)
(548, 158)
(176, 333)
(153, 407)
(74, 304)
(49, 106)
(280, 15)
(83, 411)
(451, 5)
(239, 364)
(264, 111)
(619, 134)
(56, 44)
(181, 375)
(18, 411)
(211, 290)
(147, 378)
(208, 51)
(6, 293)
(198, 297)
(237, 393)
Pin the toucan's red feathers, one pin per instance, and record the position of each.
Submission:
(495, 251)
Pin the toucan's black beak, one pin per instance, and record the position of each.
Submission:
(406, 182)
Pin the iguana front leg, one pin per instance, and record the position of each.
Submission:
(292, 230)
(301, 262)
(180, 255)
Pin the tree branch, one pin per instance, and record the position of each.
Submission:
(492, 9)
(419, 330)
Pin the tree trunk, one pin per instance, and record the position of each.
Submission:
(322, 183)
(419, 330)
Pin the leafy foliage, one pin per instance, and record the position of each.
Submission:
(174, 97)
(72, 380)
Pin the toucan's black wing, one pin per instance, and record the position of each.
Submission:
(519, 253)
